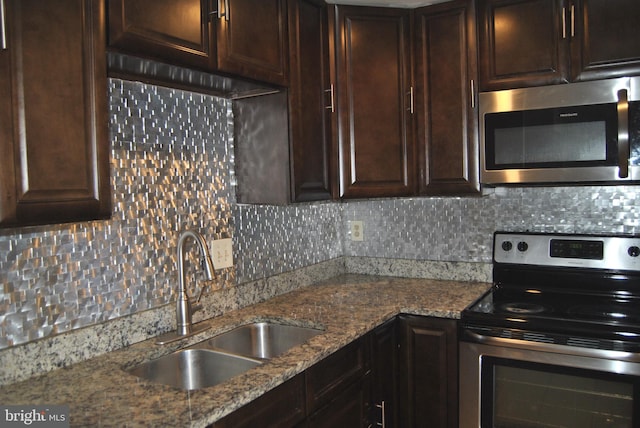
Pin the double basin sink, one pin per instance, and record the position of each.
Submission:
(224, 356)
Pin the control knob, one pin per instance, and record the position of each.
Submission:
(523, 246)
(507, 245)
(633, 251)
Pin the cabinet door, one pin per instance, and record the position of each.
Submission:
(175, 31)
(605, 38)
(348, 409)
(375, 140)
(54, 147)
(310, 100)
(384, 370)
(429, 372)
(252, 39)
(446, 76)
(281, 407)
(522, 43)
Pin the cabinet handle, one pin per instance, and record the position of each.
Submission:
(3, 30)
(564, 22)
(219, 12)
(573, 20)
(410, 109)
(623, 134)
(472, 88)
(332, 106)
(381, 406)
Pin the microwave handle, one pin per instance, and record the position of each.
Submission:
(623, 134)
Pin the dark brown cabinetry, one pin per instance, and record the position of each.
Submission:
(384, 375)
(174, 31)
(428, 364)
(446, 112)
(336, 388)
(54, 148)
(282, 407)
(310, 101)
(537, 42)
(375, 138)
(243, 37)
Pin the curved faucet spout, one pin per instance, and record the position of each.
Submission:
(183, 304)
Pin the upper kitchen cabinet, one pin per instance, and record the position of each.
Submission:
(605, 38)
(311, 101)
(176, 31)
(522, 43)
(54, 147)
(446, 112)
(252, 39)
(247, 38)
(375, 139)
(538, 42)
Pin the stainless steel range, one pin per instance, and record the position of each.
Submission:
(556, 341)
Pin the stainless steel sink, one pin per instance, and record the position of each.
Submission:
(260, 340)
(193, 368)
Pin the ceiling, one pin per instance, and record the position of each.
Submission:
(391, 3)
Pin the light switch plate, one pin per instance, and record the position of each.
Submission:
(222, 253)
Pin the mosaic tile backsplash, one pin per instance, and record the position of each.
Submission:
(172, 168)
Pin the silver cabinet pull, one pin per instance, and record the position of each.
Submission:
(564, 22)
(219, 12)
(573, 20)
(381, 406)
(410, 109)
(3, 30)
(623, 134)
(332, 105)
(472, 88)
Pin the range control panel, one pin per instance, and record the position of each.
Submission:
(589, 251)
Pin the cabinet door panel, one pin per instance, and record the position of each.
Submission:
(375, 137)
(56, 136)
(252, 40)
(429, 370)
(522, 43)
(169, 30)
(310, 102)
(281, 407)
(348, 409)
(606, 42)
(446, 70)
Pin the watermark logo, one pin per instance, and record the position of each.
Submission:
(34, 416)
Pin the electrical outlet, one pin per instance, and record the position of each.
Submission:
(357, 230)
(222, 253)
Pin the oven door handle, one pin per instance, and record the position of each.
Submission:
(474, 337)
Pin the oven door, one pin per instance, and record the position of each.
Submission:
(508, 383)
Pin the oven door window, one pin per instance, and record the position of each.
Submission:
(518, 394)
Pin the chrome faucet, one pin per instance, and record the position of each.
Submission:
(183, 304)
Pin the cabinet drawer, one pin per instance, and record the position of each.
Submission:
(335, 373)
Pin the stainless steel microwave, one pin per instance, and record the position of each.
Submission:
(587, 132)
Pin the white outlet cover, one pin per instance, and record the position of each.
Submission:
(357, 230)
(222, 253)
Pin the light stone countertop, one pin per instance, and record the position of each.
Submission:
(100, 393)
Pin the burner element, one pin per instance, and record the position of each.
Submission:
(522, 308)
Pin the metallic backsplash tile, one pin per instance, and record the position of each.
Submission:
(172, 167)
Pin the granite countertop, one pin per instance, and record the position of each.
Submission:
(100, 393)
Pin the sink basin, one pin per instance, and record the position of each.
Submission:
(193, 368)
(262, 340)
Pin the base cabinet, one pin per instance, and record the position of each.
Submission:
(402, 374)
(282, 407)
(428, 368)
